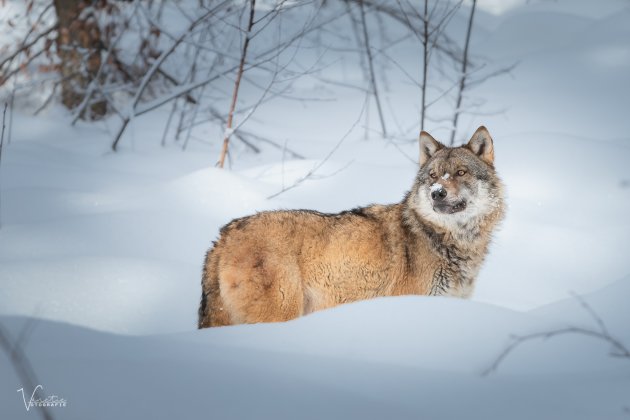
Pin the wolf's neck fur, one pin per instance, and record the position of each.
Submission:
(463, 234)
(462, 246)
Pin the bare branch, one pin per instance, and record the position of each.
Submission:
(4, 116)
(370, 62)
(462, 81)
(131, 112)
(21, 363)
(24, 46)
(315, 168)
(237, 83)
(619, 349)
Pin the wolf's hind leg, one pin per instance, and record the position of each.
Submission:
(261, 291)
(212, 312)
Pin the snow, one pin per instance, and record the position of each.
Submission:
(228, 132)
(436, 186)
(351, 361)
(105, 249)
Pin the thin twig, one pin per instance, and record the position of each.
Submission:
(425, 63)
(4, 115)
(21, 363)
(463, 78)
(132, 111)
(23, 47)
(237, 83)
(370, 62)
(11, 100)
(620, 350)
(258, 61)
(168, 122)
(315, 168)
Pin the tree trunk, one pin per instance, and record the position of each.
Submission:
(79, 49)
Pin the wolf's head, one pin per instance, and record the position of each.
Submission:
(457, 185)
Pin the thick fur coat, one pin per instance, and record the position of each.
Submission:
(279, 265)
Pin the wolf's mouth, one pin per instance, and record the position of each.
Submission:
(449, 208)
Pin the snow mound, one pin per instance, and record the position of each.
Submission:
(112, 294)
(402, 357)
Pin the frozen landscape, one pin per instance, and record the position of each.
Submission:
(101, 252)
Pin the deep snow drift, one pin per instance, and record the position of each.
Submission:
(386, 358)
(106, 251)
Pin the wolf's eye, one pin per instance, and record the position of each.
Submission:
(433, 175)
(461, 172)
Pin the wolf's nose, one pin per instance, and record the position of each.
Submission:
(438, 194)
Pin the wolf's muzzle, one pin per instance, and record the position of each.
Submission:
(438, 195)
(449, 208)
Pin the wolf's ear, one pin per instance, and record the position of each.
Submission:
(481, 144)
(428, 147)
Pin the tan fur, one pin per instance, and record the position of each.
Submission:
(279, 265)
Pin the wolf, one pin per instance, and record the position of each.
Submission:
(278, 265)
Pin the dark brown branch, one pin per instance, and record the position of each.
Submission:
(11, 73)
(24, 46)
(237, 83)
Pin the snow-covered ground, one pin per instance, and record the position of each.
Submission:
(105, 250)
